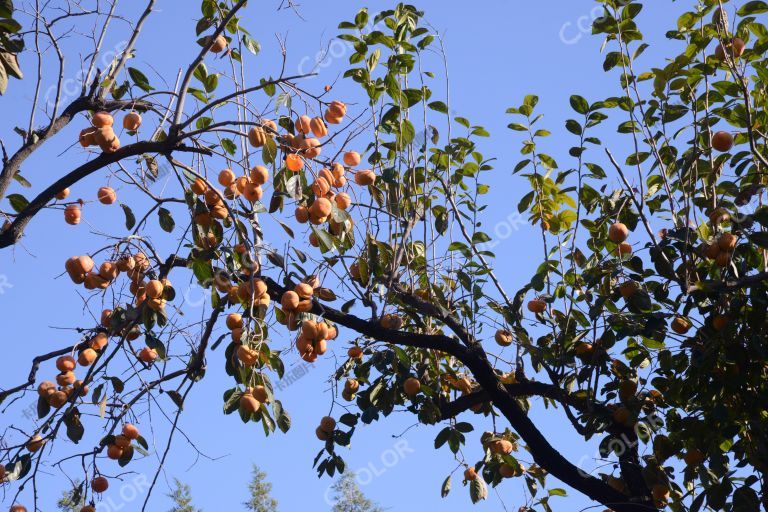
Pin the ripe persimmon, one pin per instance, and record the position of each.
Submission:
(57, 399)
(102, 120)
(99, 341)
(72, 214)
(337, 109)
(322, 434)
(720, 322)
(199, 186)
(46, 388)
(132, 121)
(503, 337)
(147, 355)
(249, 404)
(259, 175)
(412, 386)
(352, 385)
(470, 474)
(584, 351)
(294, 162)
(257, 136)
(253, 192)
(259, 392)
(107, 195)
(218, 45)
(131, 431)
(234, 321)
(87, 357)
(660, 493)
(321, 207)
(352, 158)
(365, 178)
(88, 137)
(99, 484)
(722, 141)
(304, 290)
(355, 353)
(66, 378)
(63, 194)
(629, 288)
(735, 48)
(154, 289)
(618, 232)
(227, 177)
(727, 242)
(343, 201)
(681, 325)
(290, 301)
(624, 248)
(318, 127)
(537, 306)
(247, 355)
(35, 443)
(65, 363)
(501, 446)
(328, 424)
(114, 452)
(694, 457)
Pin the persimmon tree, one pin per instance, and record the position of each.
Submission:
(644, 326)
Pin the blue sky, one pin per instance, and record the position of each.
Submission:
(498, 52)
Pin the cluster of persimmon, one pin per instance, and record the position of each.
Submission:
(73, 212)
(123, 442)
(313, 339)
(298, 300)
(733, 49)
(102, 132)
(720, 250)
(498, 446)
(319, 211)
(252, 399)
(618, 234)
(351, 386)
(324, 431)
(68, 384)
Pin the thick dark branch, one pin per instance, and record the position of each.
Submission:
(431, 310)
(34, 140)
(12, 235)
(521, 389)
(475, 359)
(729, 284)
(374, 329)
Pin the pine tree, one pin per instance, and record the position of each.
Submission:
(349, 498)
(182, 498)
(71, 500)
(260, 500)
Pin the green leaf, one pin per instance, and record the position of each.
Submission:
(141, 81)
(478, 490)
(754, 7)
(18, 202)
(251, 44)
(229, 146)
(166, 220)
(439, 106)
(579, 104)
(446, 487)
(130, 218)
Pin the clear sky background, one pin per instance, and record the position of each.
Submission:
(498, 52)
